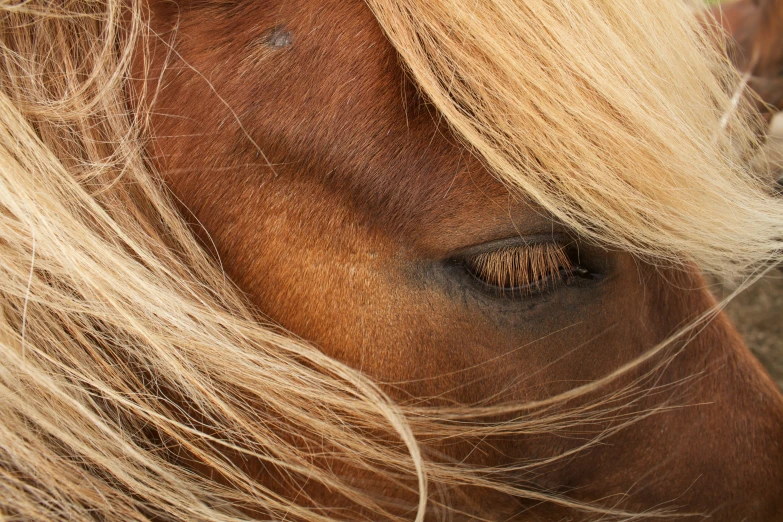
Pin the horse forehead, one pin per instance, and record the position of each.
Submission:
(334, 104)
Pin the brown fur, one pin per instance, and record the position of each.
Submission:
(756, 29)
(340, 230)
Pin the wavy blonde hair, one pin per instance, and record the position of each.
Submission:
(133, 376)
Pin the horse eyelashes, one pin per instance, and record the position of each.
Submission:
(522, 270)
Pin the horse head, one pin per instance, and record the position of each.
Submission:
(453, 265)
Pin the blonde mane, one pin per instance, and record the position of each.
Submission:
(129, 363)
(609, 115)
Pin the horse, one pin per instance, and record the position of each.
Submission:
(346, 260)
(755, 47)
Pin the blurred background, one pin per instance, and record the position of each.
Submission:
(758, 26)
(758, 312)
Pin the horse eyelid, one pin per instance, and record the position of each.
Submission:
(524, 270)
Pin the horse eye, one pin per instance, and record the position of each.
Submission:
(525, 270)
